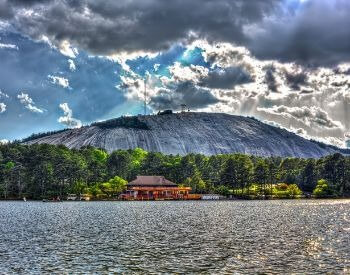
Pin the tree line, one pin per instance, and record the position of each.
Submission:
(43, 171)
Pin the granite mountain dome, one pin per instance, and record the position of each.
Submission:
(183, 133)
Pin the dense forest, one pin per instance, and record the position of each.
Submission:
(44, 171)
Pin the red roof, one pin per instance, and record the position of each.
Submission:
(151, 181)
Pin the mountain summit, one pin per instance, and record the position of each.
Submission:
(183, 133)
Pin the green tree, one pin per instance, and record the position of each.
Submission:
(114, 186)
(80, 188)
(289, 170)
(8, 177)
(229, 173)
(273, 163)
(323, 189)
(96, 161)
(214, 168)
(261, 175)
(153, 164)
(223, 190)
(237, 172)
(119, 164)
(94, 190)
(333, 169)
(308, 176)
(196, 183)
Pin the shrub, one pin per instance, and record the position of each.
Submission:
(294, 191)
(323, 189)
(286, 191)
(223, 190)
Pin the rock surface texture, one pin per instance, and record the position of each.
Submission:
(183, 133)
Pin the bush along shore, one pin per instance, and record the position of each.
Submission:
(48, 171)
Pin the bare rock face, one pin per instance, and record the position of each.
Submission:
(183, 133)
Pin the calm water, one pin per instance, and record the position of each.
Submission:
(183, 237)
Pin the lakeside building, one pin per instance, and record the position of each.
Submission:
(155, 188)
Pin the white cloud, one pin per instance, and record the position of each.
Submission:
(8, 46)
(34, 109)
(45, 39)
(187, 73)
(66, 49)
(2, 107)
(309, 115)
(123, 57)
(61, 81)
(67, 119)
(29, 103)
(156, 67)
(72, 66)
(3, 95)
(24, 99)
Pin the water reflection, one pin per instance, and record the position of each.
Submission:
(168, 237)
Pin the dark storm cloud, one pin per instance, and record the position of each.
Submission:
(28, 3)
(295, 80)
(270, 79)
(6, 12)
(226, 78)
(109, 26)
(317, 33)
(8, 8)
(184, 93)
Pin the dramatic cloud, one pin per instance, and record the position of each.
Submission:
(270, 79)
(29, 103)
(61, 81)
(308, 115)
(225, 78)
(184, 93)
(296, 80)
(2, 107)
(219, 78)
(113, 26)
(67, 119)
(67, 50)
(312, 32)
(192, 73)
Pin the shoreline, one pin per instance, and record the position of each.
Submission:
(236, 199)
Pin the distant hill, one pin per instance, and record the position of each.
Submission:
(183, 133)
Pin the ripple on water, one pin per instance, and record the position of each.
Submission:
(185, 237)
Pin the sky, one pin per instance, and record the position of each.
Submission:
(67, 63)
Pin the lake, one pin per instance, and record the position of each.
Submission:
(290, 236)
